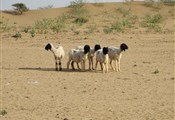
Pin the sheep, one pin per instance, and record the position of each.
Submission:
(102, 57)
(115, 54)
(58, 53)
(78, 56)
(91, 55)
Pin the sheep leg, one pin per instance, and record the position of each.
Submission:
(119, 65)
(92, 63)
(106, 67)
(60, 65)
(68, 63)
(78, 66)
(102, 66)
(89, 63)
(96, 65)
(112, 65)
(72, 65)
(116, 65)
(56, 66)
(83, 65)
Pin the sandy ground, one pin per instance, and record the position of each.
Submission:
(31, 89)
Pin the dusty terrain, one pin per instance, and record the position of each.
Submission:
(31, 89)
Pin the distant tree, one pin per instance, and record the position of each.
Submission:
(46, 7)
(77, 3)
(20, 7)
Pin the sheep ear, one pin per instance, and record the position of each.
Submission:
(123, 47)
(48, 47)
(86, 49)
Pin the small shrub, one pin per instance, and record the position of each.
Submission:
(123, 11)
(117, 26)
(156, 71)
(92, 28)
(107, 30)
(171, 12)
(56, 27)
(55, 24)
(133, 19)
(77, 10)
(17, 35)
(77, 4)
(153, 4)
(58, 24)
(81, 20)
(4, 25)
(43, 24)
(3, 112)
(120, 26)
(76, 32)
(152, 22)
(32, 33)
(169, 2)
(26, 29)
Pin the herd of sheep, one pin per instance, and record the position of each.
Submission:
(80, 54)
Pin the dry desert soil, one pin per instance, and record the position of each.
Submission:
(31, 89)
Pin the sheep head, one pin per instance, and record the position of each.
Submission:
(97, 47)
(86, 49)
(48, 47)
(123, 47)
(105, 50)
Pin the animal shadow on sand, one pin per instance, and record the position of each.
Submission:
(52, 69)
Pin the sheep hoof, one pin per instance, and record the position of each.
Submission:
(56, 69)
(60, 69)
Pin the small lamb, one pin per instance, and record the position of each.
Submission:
(102, 57)
(78, 56)
(58, 53)
(91, 55)
(115, 54)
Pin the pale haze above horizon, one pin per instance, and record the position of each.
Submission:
(35, 4)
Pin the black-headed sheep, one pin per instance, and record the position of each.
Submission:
(91, 55)
(115, 54)
(58, 53)
(102, 57)
(78, 56)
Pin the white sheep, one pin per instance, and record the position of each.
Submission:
(78, 56)
(102, 57)
(115, 54)
(90, 55)
(58, 53)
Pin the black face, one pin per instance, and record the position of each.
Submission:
(123, 47)
(97, 47)
(105, 50)
(48, 47)
(86, 49)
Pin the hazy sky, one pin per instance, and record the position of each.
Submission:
(34, 4)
